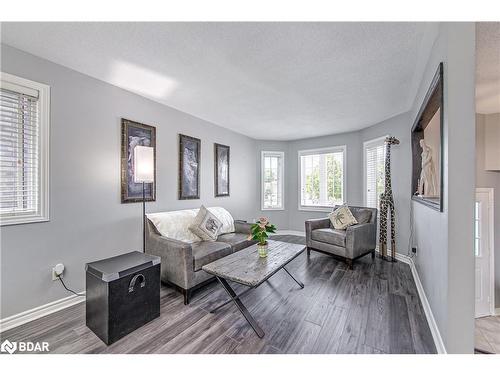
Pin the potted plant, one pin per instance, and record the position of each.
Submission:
(260, 232)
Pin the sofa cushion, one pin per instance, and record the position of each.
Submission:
(237, 241)
(206, 225)
(362, 216)
(329, 235)
(205, 252)
(175, 224)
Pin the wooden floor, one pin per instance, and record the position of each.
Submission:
(372, 309)
(487, 334)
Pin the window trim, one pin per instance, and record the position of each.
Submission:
(366, 144)
(322, 150)
(44, 147)
(282, 167)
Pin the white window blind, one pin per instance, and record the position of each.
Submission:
(23, 182)
(272, 164)
(374, 172)
(322, 177)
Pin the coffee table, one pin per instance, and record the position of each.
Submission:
(245, 267)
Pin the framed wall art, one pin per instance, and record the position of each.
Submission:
(221, 170)
(135, 134)
(189, 167)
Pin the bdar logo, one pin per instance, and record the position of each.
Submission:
(9, 347)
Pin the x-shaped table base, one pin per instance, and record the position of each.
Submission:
(236, 299)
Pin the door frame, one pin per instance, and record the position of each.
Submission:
(491, 240)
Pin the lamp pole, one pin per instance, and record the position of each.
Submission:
(143, 217)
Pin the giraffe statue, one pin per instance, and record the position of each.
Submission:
(387, 205)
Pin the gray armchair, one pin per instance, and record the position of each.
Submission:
(350, 244)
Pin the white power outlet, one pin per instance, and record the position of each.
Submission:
(57, 271)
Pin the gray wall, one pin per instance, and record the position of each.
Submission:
(399, 126)
(87, 220)
(489, 179)
(445, 259)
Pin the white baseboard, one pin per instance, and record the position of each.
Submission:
(32, 314)
(290, 232)
(436, 335)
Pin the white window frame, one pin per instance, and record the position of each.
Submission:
(8, 80)
(366, 144)
(324, 150)
(280, 154)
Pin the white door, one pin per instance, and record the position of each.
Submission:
(482, 250)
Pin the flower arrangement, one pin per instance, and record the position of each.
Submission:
(260, 232)
(261, 229)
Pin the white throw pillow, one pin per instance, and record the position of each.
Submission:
(225, 217)
(175, 224)
(342, 218)
(206, 225)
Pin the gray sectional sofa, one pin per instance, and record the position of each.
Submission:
(350, 244)
(181, 261)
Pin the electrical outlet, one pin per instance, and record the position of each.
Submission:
(414, 250)
(57, 271)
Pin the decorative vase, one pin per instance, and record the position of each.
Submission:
(262, 250)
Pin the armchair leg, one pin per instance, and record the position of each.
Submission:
(308, 251)
(373, 254)
(349, 263)
(187, 295)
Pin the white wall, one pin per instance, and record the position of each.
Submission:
(489, 179)
(87, 220)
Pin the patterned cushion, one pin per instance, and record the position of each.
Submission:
(206, 225)
(342, 217)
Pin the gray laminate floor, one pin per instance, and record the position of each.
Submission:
(487, 334)
(372, 309)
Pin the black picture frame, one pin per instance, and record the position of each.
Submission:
(433, 101)
(189, 167)
(222, 166)
(135, 134)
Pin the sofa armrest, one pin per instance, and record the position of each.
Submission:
(176, 259)
(242, 227)
(313, 224)
(360, 239)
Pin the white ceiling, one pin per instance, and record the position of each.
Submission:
(488, 67)
(279, 81)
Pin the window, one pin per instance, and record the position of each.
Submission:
(272, 163)
(374, 167)
(24, 148)
(322, 178)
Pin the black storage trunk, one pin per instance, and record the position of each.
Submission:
(123, 294)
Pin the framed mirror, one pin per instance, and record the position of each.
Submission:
(427, 147)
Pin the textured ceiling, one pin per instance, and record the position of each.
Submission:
(277, 81)
(488, 67)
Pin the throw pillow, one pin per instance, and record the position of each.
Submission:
(206, 225)
(342, 217)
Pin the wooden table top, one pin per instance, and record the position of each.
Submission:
(247, 268)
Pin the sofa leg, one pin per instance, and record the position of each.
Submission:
(308, 251)
(187, 295)
(349, 263)
(373, 254)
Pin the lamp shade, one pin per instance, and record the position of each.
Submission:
(144, 165)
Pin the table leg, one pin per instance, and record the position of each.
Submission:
(241, 307)
(229, 301)
(294, 279)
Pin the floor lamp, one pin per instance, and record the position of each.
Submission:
(144, 172)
